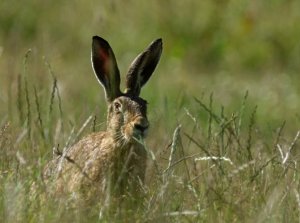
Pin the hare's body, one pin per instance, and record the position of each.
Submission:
(96, 165)
(111, 162)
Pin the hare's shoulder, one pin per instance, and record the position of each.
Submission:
(92, 156)
(90, 146)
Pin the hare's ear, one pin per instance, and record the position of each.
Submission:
(142, 68)
(106, 68)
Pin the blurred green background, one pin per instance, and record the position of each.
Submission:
(224, 47)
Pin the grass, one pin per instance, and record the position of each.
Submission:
(223, 106)
(221, 169)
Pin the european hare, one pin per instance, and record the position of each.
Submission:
(111, 162)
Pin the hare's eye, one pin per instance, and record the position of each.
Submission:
(117, 106)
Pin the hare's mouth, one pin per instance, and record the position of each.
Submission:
(140, 133)
(135, 131)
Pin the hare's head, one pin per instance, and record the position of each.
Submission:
(127, 118)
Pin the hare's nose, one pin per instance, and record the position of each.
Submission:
(141, 125)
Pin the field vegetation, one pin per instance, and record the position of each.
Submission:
(223, 106)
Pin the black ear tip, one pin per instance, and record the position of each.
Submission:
(158, 42)
(156, 45)
(98, 39)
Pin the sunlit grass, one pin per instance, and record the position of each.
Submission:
(211, 164)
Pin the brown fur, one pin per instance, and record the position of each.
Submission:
(110, 163)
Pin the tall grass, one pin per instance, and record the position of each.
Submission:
(221, 169)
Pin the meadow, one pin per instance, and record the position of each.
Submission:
(223, 105)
